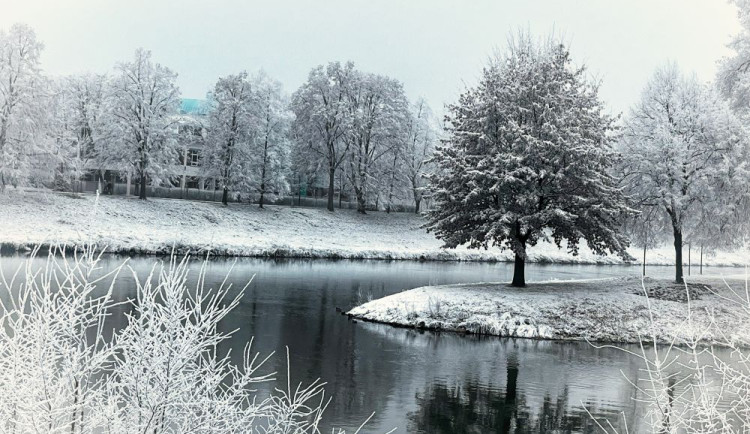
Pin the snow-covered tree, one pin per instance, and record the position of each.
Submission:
(79, 124)
(528, 157)
(271, 121)
(228, 152)
(378, 109)
(685, 153)
(421, 139)
(22, 92)
(733, 76)
(145, 100)
(322, 118)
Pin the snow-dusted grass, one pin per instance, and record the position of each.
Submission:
(157, 225)
(604, 310)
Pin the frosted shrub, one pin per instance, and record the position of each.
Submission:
(162, 373)
(689, 388)
(53, 353)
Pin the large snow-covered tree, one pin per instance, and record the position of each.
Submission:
(685, 153)
(271, 121)
(145, 100)
(228, 152)
(22, 92)
(379, 110)
(528, 157)
(322, 118)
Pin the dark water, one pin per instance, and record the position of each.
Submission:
(418, 382)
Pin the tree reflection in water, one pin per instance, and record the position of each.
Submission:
(472, 408)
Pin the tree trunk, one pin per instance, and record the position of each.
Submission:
(262, 194)
(225, 196)
(519, 279)
(341, 186)
(678, 256)
(361, 201)
(416, 205)
(331, 186)
(142, 194)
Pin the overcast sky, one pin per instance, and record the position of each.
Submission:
(434, 47)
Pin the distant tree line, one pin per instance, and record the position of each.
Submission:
(528, 154)
(342, 125)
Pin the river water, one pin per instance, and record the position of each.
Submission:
(420, 382)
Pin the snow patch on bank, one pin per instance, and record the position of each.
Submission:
(603, 310)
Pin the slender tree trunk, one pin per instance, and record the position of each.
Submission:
(341, 187)
(701, 272)
(331, 186)
(678, 256)
(225, 196)
(3, 139)
(263, 171)
(416, 205)
(392, 183)
(519, 279)
(361, 200)
(75, 406)
(644, 259)
(142, 194)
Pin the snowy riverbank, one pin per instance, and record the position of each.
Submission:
(602, 310)
(128, 225)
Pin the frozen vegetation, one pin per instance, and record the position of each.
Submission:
(62, 370)
(159, 225)
(603, 310)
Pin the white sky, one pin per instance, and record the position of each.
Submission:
(434, 47)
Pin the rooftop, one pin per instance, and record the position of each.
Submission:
(189, 106)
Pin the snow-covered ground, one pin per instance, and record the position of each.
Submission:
(123, 224)
(603, 310)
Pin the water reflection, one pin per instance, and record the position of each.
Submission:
(472, 408)
(418, 382)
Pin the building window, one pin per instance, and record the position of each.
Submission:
(192, 182)
(190, 130)
(192, 157)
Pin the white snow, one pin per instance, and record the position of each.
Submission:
(123, 224)
(603, 310)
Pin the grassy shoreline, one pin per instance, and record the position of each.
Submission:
(159, 226)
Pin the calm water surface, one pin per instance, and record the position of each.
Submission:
(418, 382)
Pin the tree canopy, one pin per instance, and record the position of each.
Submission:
(528, 157)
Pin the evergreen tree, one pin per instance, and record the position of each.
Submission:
(527, 158)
